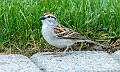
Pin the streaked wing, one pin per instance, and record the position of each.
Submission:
(63, 32)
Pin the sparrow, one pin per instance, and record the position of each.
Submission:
(58, 35)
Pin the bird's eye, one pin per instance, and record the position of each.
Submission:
(49, 16)
(53, 17)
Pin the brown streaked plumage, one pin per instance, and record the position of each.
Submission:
(58, 35)
(63, 32)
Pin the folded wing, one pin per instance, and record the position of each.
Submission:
(66, 33)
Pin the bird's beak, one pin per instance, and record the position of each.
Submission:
(42, 18)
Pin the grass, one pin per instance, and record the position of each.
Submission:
(20, 28)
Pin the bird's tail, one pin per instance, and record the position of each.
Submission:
(91, 42)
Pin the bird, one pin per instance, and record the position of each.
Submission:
(58, 35)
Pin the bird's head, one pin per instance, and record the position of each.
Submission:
(49, 19)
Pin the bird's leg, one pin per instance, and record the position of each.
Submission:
(71, 48)
(66, 49)
(62, 53)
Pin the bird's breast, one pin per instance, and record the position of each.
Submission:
(48, 35)
(51, 38)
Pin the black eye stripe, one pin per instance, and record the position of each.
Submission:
(51, 17)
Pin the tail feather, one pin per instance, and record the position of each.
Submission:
(93, 42)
